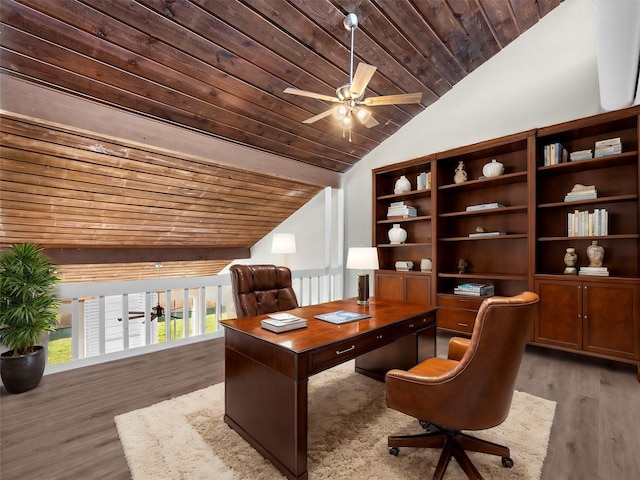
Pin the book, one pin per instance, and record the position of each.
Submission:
(484, 206)
(554, 153)
(403, 211)
(598, 273)
(341, 316)
(608, 142)
(282, 322)
(479, 293)
(582, 196)
(487, 234)
(474, 287)
(580, 155)
(609, 146)
(594, 269)
(423, 181)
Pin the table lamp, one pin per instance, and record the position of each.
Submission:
(283, 243)
(363, 258)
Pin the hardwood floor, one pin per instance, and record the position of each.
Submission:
(64, 429)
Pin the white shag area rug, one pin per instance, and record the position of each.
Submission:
(186, 437)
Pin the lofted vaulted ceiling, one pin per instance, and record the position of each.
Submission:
(219, 68)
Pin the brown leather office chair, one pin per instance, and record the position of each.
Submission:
(260, 289)
(470, 390)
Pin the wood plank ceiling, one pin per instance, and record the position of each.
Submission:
(218, 67)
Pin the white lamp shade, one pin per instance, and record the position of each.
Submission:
(363, 258)
(283, 243)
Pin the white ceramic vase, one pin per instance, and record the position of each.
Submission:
(397, 234)
(402, 185)
(426, 265)
(493, 169)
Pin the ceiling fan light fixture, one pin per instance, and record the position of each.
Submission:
(363, 114)
(340, 112)
(351, 96)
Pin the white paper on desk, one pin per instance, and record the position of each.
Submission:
(282, 316)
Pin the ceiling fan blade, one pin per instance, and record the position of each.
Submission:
(363, 74)
(304, 93)
(319, 116)
(403, 98)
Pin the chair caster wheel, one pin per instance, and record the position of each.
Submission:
(394, 451)
(507, 462)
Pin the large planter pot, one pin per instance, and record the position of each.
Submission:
(24, 372)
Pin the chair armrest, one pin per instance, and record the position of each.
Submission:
(457, 348)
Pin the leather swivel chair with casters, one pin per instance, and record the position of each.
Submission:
(260, 289)
(470, 390)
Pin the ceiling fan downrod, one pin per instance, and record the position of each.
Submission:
(350, 22)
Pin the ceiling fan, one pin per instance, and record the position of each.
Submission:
(350, 97)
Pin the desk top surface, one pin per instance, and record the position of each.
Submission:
(318, 332)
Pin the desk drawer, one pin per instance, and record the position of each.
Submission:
(456, 319)
(328, 357)
(342, 352)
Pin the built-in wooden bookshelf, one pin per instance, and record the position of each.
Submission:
(499, 260)
(598, 315)
(414, 286)
(593, 315)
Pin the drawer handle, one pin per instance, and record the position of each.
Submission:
(379, 337)
(411, 325)
(460, 324)
(340, 352)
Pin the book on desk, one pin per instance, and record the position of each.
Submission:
(283, 322)
(342, 316)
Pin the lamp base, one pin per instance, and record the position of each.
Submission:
(363, 289)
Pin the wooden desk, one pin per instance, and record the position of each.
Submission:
(266, 374)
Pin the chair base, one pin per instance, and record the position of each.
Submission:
(453, 444)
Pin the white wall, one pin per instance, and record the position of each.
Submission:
(546, 76)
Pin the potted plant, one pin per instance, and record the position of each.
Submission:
(28, 309)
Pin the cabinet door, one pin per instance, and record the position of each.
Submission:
(418, 289)
(559, 315)
(389, 285)
(611, 320)
(407, 287)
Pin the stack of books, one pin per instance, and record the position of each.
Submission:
(582, 223)
(400, 210)
(583, 193)
(610, 146)
(484, 206)
(282, 322)
(423, 181)
(594, 271)
(580, 155)
(554, 153)
(474, 289)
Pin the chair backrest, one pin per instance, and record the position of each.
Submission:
(260, 289)
(486, 374)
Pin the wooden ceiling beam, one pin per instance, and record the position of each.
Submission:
(90, 256)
